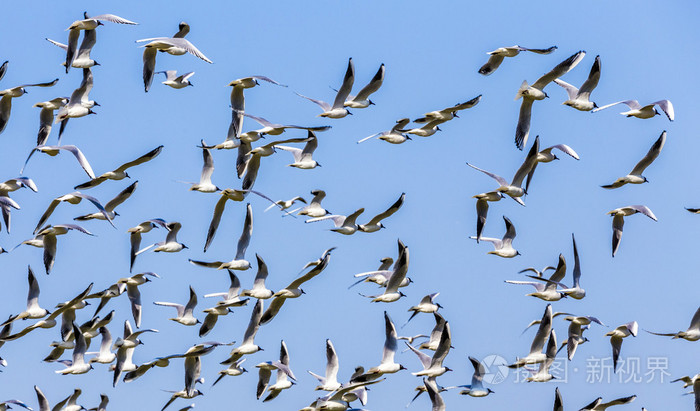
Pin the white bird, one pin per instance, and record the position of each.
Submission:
(284, 373)
(647, 111)
(337, 400)
(111, 205)
(176, 45)
(691, 334)
(427, 305)
(49, 234)
(543, 375)
(392, 293)
(274, 129)
(105, 355)
(576, 291)
(78, 365)
(482, 209)
(87, 24)
(381, 276)
(286, 204)
(238, 106)
(329, 382)
(337, 110)
(125, 351)
(476, 388)
(170, 245)
(500, 53)
(259, 290)
(46, 117)
(619, 221)
(575, 332)
(120, 172)
(580, 99)
(233, 370)
(635, 176)
(223, 307)
(248, 345)
(432, 366)
(132, 291)
(54, 150)
(79, 104)
(503, 247)
(448, 113)
(302, 157)
(375, 223)
(34, 310)
(239, 262)
(547, 291)
(9, 94)
(314, 208)
(5, 405)
(175, 81)
(135, 236)
(515, 190)
(293, 290)
(533, 92)
(361, 100)
(393, 136)
(536, 356)
(438, 404)
(387, 365)
(546, 156)
(82, 57)
(185, 314)
(599, 405)
(343, 224)
(427, 130)
(616, 336)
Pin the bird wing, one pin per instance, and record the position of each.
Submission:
(345, 89)
(254, 323)
(592, 81)
(633, 104)
(522, 131)
(215, 220)
(121, 197)
(325, 106)
(372, 86)
(618, 223)
(560, 69)
(389, 211)
(543, 331)
(491, 65)
(89, 40)
(529, 163)
(244, 240)
(144, 158)
(666, 107)
(571, 91)
(502, 181)
(149, 65)
(651, 155)
(113, 18)
(390, 341)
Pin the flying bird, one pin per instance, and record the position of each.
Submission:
(14, 92)
(87, 24)
(361, 100)
(691, 334)
(635, 176)
(120, 172)
(338, 110)
(619, 221)
(448, 113)
(497, 56)
(175, 81)
(185, 314)
(648, 111)
(503, 247)
(580, 99)
(616, 336)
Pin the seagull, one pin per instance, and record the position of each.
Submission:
(125, 351)
(546, 156)
(393, 136)
(343, 224)
(500, 53)
(111, 205)
(292, 290)
(361, 100)
(284, 373)
(427, 130)
(476, 388)
(273, 129)
(448, 113)
(231, 299)
(170, 245)
(514, 189)
(54, 150)
(182, 394)
(248, 345)
(618, 221)
(135, 236)
(79, 104)
(104, 400)
(375, 223)
(691, 334)
(635, 176)
(381, 276)
(302, 157)
(648, 111)
(120, 173)
(575, 333)
(175, 81)
(82, 58)
(558, 402)
(314, 208)
(5, 405)
(387, 365)
(533, 92)
(543, 375)
(329, 382)
(599, 405)
(286, 204)
(233, 370)
(392, 293)
(537, 272)
(688, 381)
(9, 94)
(105, 356)
(87, 24)
(239, 262)
(184, 312)
(78, 365)
(576, 291)
(547, 291)
(259, 291)
(238, 104)
(426, 305)
(434, 392)
(132, 291)
(46, 117)
(580, 99)
(176, 45)
(536, 356)
(251, 158)
(337, 110)
(503, 247)
(337, 399)
(482, 209)
(616, 336)
(33, 311)
(49, 234)
(432, 367)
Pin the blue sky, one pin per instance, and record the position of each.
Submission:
(432, 53)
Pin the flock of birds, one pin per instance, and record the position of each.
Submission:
(391, 276)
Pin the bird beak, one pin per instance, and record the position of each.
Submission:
(191, 84)
(349, 113)
(371, 103)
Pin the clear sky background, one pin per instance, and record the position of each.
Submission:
(432, 52)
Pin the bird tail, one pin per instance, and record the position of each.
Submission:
(522, 89)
